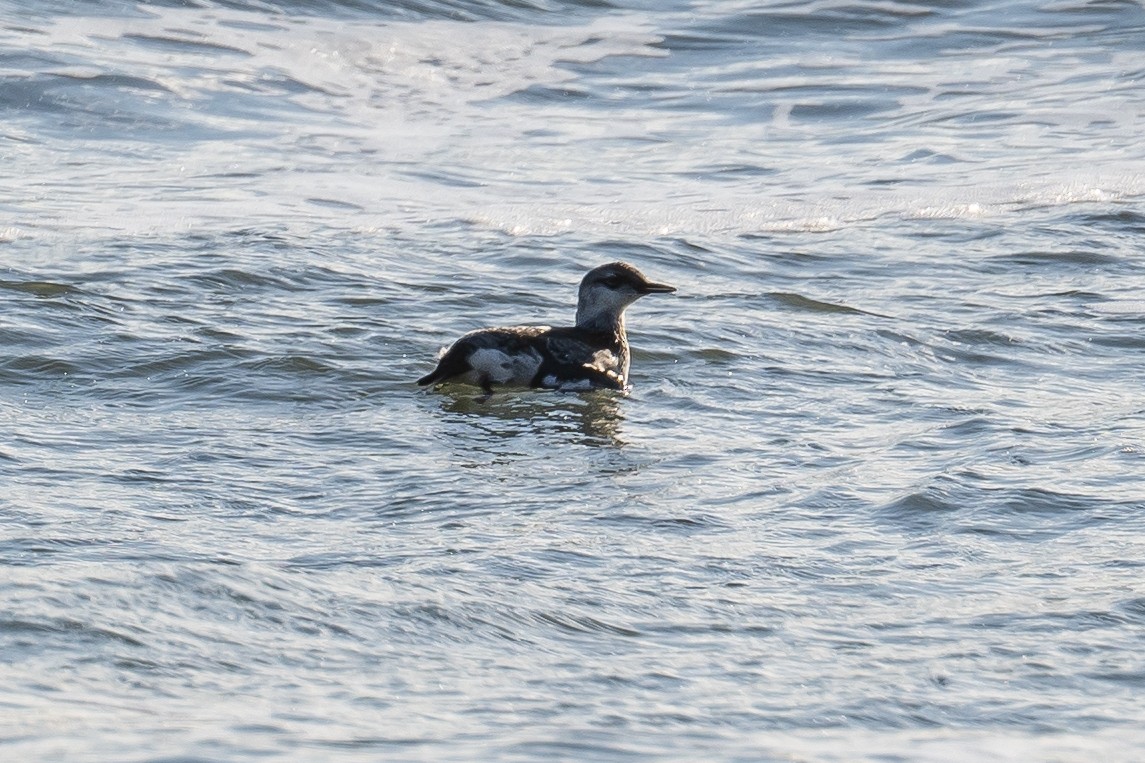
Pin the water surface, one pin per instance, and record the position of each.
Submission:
(875, 495)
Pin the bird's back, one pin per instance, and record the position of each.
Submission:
(503, 355)
(535, 356)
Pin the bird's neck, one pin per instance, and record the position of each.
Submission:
(600, 320)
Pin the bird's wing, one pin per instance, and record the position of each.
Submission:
(568, 350)
(455, 360)
(510, 338)
(578, 359)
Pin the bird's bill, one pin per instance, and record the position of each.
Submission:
(656, 288)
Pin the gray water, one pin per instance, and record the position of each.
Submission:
(877, 492)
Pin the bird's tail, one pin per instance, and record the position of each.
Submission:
(451, 363)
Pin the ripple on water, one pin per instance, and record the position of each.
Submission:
(875, 491)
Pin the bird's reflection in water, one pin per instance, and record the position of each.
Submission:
(588, 418)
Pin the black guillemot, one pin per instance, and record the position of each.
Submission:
(591, 354)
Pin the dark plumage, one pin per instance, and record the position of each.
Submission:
(593, 353)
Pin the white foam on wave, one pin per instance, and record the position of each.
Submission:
(323, 121)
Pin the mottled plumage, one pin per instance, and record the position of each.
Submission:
(593, 353)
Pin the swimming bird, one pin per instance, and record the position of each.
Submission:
(591, 354)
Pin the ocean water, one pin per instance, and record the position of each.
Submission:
(878, 492)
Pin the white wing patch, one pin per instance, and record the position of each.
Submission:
(605, 362)
(499, 367)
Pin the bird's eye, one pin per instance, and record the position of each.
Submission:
(611, 282)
